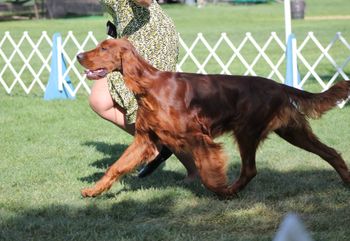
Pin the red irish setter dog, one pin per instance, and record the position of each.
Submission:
(186, 112)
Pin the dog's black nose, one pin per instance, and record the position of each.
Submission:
(80, 56)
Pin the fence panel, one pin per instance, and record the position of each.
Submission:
(26, 61)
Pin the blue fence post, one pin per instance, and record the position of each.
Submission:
(291, 64)
(55, 88)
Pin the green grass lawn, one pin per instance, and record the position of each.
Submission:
(50, 150)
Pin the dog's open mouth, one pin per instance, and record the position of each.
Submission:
(96, 74)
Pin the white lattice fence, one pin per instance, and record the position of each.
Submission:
(16, 62)
(340, 65)
(25, 60)
(235, 54)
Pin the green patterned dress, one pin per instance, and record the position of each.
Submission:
(154, 36)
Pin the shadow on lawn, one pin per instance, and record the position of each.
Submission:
(266, 179)
(112, 151)
(160, 178)
(167, 217)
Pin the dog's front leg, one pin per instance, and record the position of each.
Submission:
(142, 149)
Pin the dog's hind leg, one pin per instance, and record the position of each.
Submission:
(302, 136)
(142, 149)
(247, 147)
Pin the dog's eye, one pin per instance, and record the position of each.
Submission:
(103, 48)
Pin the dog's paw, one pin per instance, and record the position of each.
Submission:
(346, 181)
(346, 184)
(228, 197)
(89, 192)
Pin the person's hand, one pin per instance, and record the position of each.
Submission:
(144, 3)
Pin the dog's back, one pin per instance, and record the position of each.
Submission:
(225, 102)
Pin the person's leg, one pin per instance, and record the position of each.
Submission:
(164, 154)
(102, 103)
(148, 169)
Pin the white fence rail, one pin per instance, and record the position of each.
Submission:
(25, 60)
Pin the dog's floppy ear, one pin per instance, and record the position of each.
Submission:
(127, 55)
(119, 47)
(131, 66)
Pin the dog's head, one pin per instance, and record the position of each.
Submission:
(105, 58)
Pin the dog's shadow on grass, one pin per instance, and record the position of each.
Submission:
(266, 182)
(313, 193)
(112, 153)
(161, 178)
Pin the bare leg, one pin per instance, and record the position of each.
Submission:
(102, 103)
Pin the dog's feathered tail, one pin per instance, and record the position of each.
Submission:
(314, 105)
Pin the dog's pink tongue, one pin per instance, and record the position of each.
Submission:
(96, 74)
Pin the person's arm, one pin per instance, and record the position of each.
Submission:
(143, 3)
